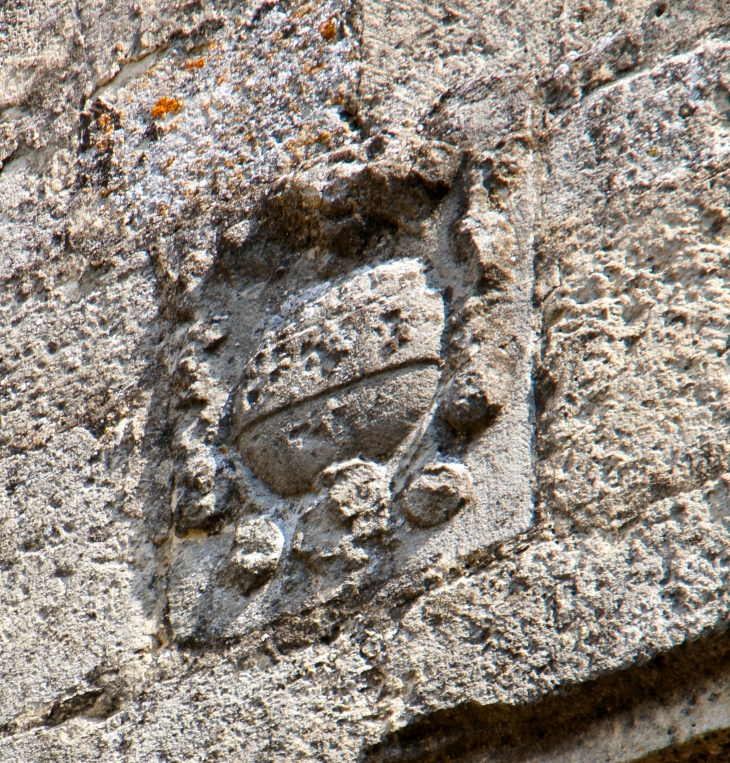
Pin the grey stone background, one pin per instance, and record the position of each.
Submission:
(175, 179)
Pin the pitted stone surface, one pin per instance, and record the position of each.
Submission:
(363, 381)
(378, 320)
(350, 372)
(358, 494)
(438, 493)
(256, 552)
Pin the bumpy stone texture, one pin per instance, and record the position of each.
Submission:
(363, 380)
(637, 321)
(351, 371)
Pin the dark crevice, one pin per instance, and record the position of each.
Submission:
(72, 707)
(508, 733)
(87, 701)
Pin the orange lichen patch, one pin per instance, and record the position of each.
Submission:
(195, 63)
(105, 123)
(298, 147)
(166, 105)
(312, 66)
(328, 28)
(303, 11)
(324, 137)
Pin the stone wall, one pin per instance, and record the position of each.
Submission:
(364, 381)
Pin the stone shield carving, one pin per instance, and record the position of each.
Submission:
(348, 373)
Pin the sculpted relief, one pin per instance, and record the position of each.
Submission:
(349, 373)
(365, 383)
(376, 406)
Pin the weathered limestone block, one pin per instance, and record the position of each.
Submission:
(363, 381)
